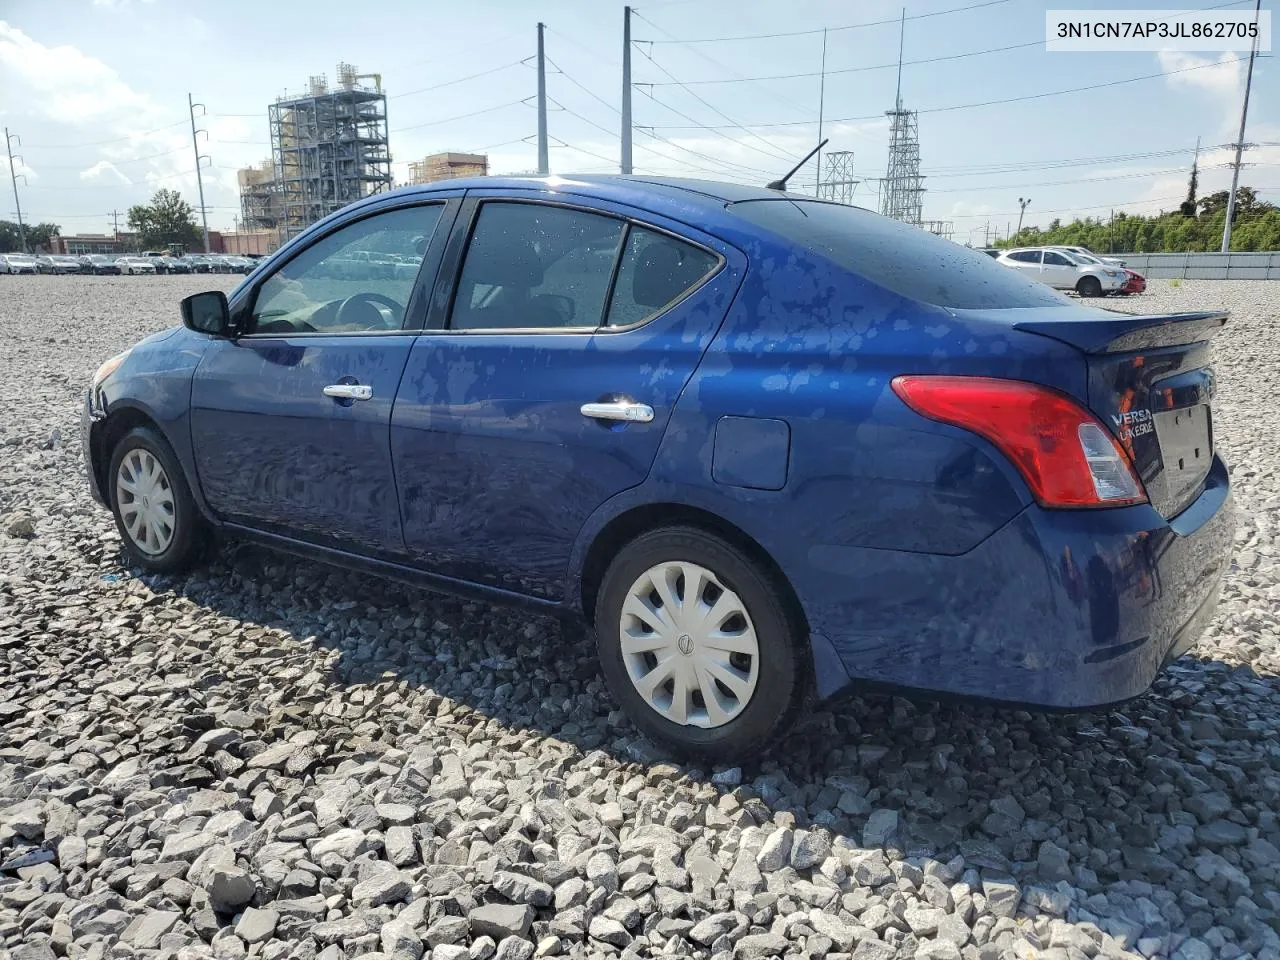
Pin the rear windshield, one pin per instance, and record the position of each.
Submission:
(907, 260)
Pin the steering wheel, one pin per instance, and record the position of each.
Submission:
(358, 308)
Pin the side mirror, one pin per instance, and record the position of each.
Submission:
(207, 313)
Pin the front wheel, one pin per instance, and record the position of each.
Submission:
(1089, 287)
(158, 520)
(698, 645)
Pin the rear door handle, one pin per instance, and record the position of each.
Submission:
(624, 410)
(349, 391)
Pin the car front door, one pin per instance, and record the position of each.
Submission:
(289, 420)
(563, 344)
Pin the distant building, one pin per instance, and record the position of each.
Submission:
(448, 166)
(81, 244)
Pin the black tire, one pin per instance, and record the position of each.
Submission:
(1089, 287)
(783, 672)
(190, 530)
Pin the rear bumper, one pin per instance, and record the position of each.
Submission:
(1058, 609)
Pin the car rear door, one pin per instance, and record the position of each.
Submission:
(290, 420)
(562, 343)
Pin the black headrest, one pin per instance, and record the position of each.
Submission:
(507, 265)
(663, 271)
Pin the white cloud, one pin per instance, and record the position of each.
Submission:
(103, 172)
(1223, 77)
(67, 85)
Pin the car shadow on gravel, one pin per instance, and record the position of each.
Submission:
(1160, 815)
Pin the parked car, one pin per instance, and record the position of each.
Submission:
(1064, 271)
(769, 446)
(136, 265)
(1134, 282)
(200, 263)
(239, 264)
(1113, 261)
(991, 251)
(65, 264)
(167, 264)
(98, 263)
(18, 263)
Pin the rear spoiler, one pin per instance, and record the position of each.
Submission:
(1120, 332)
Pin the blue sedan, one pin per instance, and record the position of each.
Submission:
(766, 446)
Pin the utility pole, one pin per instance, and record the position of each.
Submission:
(204, 215)
(626, 90)
(115, 223)
(13, 176)
(986, 236)
(1022, 208)
(822, 92)
(1244, 114)
(543, 163)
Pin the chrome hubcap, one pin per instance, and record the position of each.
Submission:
(689, 645)
(145, 501)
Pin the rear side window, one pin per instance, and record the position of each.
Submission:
(1056, 259)
(656, 270)
(535, 266)
(904, 259)
(1025, 256)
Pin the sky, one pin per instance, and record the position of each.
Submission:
(96, 92)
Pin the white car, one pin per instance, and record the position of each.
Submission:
(1064, 270)
(132, 265)
(18, 263)
(1086, 252)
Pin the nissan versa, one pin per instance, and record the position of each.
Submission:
(767, 446)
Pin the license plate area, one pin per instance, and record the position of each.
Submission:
(1186, 448)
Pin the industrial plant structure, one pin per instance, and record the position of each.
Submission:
(328, 148)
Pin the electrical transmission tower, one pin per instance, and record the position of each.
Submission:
(839, 181)
(903, 194)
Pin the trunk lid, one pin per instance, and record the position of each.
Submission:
(1151, 382)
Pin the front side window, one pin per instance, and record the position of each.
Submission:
(355, 280)
(656, 270)
(535, 266)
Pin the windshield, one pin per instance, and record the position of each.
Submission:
(905, 259)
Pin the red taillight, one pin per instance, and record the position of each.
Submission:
(1066, 456)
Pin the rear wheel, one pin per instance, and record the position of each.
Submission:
(1089, 287)
(698, 645)
(158, 520)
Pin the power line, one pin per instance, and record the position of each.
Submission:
(1059, 183)
(461, 116)
(716, 63)
(774, 150)
(810, 33)
(843, 70)
(450, 83)
(101, 143)
(984, 103)
(985, 169)
(588, 91)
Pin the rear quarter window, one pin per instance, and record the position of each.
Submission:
(904, 259)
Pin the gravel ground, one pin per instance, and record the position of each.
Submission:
(275, 759)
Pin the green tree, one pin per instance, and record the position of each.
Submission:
(9, 237)
(166, 219)
(1256, 227)
(39, 236)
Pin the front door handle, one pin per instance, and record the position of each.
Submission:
(624, 410)
(349, 391)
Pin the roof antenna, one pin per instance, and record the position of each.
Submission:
(781, 184)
